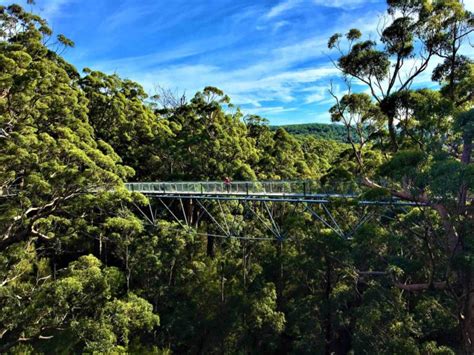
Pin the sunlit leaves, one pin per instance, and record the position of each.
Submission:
(365, 61)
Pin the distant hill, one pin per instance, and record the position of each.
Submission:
(318, 130)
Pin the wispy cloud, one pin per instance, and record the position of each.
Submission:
(49, 9)
(125, 15)
(469, 4)
(316, 94)
(53, 8)
(280, 24)
(269, 110)
(281, 8)
(271, 60)
(272, 80)
(347, 4)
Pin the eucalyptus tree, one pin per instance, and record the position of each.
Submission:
(413, 35)
(427, 158)
(122, 115)
(279, 154)
(208, 139)
(58, 183)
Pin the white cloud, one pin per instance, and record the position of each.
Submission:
(316, 97)
(319, 94)
(315, 94)
(303, 76)
(281, 8)
(122, 65)
(280, 24)
(45, 8)
(270, 78)
(245, 86)
(469, 4)
(125, 15)
(52, 8)
(268, 110)
(347, 4)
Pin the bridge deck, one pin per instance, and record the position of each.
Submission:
(238, 188)
(291, 191)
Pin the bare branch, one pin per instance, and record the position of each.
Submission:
(422, 286)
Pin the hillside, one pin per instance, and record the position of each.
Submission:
(319, 130)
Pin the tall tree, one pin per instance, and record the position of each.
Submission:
(430, 133)
(414, 32)
(59, 183)
(122, 117)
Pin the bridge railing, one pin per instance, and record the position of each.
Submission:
(280, 187)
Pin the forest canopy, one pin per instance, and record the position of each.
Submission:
(336, 132)
(82, 270)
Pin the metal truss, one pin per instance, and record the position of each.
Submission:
(178, 214)
(308, 191)
(258, 199)
(313, 199)
(260, 210)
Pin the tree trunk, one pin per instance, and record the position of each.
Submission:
(467, 276)
(210, 246)
(466, 160)
(392, 133)
(328, 331)
(466, 317)
(127, 267)
(189, 208)
(279, 283)
(388, 110)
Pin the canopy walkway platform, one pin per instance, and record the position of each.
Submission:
(307, 191)
(260, 200)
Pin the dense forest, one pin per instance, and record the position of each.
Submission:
(318, 130)
(81, 270)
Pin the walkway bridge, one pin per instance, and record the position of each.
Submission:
(308, 191)
(260, 199)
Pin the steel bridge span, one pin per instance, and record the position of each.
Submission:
(259, 200)
(307, 191)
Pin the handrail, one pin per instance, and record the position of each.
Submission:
(270, 187)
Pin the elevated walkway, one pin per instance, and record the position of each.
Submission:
(279, 191)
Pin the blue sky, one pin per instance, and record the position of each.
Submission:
(270, 57)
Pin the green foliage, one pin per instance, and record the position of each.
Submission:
(207, 142)
(120, 116)
(82, 269)
(406, 163)
(332, 132)
(365, 60)
(50, 156)
(80, 302)
(424, 143)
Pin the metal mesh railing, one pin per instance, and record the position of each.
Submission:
(290, 189)
(281, 187)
